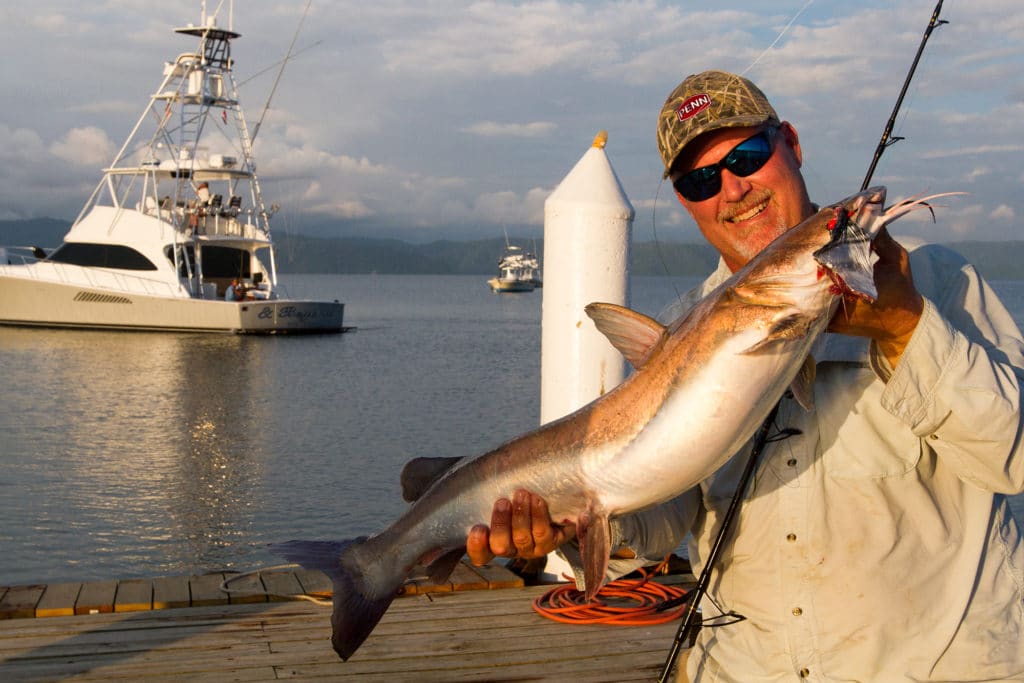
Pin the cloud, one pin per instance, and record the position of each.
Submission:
(980, 150)
(1003, 213)
(516, 130)
(88, 146)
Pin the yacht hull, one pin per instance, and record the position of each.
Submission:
(30, 302)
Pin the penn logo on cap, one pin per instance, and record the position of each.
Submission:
(692, 106)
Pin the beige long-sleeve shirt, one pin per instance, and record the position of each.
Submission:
(876, 545)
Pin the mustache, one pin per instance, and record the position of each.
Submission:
(731, 211)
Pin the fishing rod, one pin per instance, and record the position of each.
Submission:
(886, 141)
(688, 629)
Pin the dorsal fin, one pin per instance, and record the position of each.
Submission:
(419, 473)
(633, 334)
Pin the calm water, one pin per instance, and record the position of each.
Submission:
(134, 454)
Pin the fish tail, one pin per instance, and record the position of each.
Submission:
(360, 595)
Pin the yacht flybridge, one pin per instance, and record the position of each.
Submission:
(177, 218)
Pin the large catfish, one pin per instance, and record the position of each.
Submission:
(701, 388)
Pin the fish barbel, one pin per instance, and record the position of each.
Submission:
(700, 389)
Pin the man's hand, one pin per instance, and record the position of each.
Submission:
(521, 528)
(892, 318)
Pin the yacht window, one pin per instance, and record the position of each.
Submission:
(190, 253)
(101, 256)
(225, 262)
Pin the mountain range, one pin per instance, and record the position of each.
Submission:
(298, 253)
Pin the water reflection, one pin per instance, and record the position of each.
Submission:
(149, 440)
(219, 462)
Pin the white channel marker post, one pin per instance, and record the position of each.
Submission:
(588, 221)
(587, 225)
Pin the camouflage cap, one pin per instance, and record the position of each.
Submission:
(708, 101)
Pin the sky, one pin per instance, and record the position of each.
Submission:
(426, 119)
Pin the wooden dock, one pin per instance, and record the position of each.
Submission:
(480, 626)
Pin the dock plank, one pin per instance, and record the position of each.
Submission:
(58, 600)
(20, 601)
(245, 588)
(465, 579)
(315, 582)
(206, 590)
(134, 595)
(281, 585)
(497, 576)
(96, 597)
(170, 592)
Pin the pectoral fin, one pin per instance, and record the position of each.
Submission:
(633, 334)
(802, 385)
(594, 533)
(783, 328)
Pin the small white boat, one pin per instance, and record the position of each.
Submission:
(176, 218)
(518, 271)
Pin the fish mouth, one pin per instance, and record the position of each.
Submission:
(748, 210)
(848, 259)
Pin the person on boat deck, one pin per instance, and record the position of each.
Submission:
(877, 543)
(236, 291)
(203, 193)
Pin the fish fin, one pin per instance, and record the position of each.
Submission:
(783, 328)
(440, 569)
(633, 334)
(802, 385)
(357, 607)
(594, 532)
(419, 474)
(850, 262)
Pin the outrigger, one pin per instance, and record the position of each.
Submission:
(177, 217)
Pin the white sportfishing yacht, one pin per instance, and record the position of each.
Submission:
(177, 217)
(518, 271)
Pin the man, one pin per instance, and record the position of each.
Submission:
(876, 544)
(236, 291)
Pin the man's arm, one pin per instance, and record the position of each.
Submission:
(957, 379)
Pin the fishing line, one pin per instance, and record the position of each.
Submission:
(657, 242)
(657, 192)
(775, 42)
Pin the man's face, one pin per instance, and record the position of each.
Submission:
(749, 212)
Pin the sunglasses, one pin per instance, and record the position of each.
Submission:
(745, 158)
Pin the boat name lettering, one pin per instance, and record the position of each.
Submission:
(286, 312)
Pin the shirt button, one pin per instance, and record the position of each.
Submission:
(791, 462)
(804, 673)
(790, 537)
(797, 611)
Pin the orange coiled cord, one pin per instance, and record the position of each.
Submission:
(636, 603)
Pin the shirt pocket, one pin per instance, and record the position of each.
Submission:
(858, 437)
